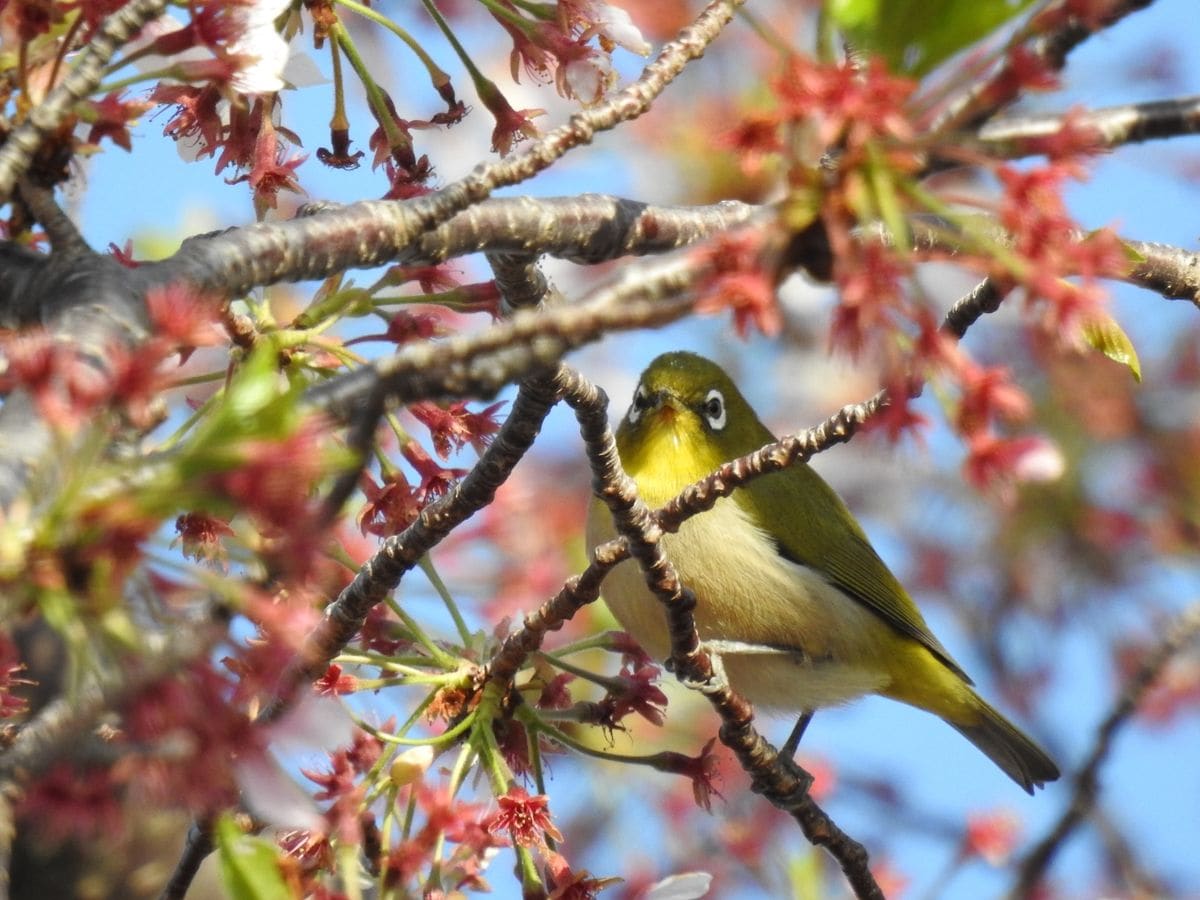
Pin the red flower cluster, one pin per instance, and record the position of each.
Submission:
(184, 732)
(1049, 247)
(848, 105)
(634, 691)
(526, 818)
(741, 280)
(71, 385)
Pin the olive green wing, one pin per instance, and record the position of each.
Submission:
(819, 532)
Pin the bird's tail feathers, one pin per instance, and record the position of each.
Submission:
(1008, 747)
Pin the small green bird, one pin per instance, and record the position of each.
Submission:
(789, 592)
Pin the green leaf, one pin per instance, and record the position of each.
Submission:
(249, 865)
(1106, 336)
(258, 404)
(1132, 254)
(914, 36)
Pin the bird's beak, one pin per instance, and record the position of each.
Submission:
(666, 407)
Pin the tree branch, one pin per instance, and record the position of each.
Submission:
(21, 145)
(1113, 126)
(647, 295)
(586, 229)
(198, 846)
(1169, 271)
(64, 237)
(1086, 783)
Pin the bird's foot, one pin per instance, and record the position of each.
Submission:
(715, 681)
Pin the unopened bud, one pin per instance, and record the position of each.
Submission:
(411, 765)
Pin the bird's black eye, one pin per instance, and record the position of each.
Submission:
(641, 403)
(714, 409)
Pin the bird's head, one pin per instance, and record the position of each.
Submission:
(687, 414)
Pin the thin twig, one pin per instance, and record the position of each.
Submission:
(1086, 783)
(983, 299)
(381, 574)
(197, 848)
(787, 451)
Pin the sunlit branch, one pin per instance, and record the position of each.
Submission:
(1086, 783)
(1112, 126)
(586, 229)
(787, 451)
(1169, 271)
(21, 145)
(521, 282)
(625, 105)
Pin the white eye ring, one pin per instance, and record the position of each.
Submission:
(641, 402)
(714, 409)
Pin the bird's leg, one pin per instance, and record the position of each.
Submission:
(789, 746)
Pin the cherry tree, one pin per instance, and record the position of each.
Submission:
(296, 595)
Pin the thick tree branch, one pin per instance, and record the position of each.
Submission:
(586, 229)
(653, 293)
